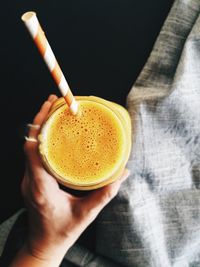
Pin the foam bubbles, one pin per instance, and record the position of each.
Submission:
(85, 147)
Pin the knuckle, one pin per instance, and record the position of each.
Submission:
(38, 195)
(38, 199)
(110, 193)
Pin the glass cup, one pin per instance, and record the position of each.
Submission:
(89, 150)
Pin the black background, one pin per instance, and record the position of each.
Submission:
(101, 47)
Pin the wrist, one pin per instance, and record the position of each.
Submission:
(47, 249)
(47, 252)
(26, 258)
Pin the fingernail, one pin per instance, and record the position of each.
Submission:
(46, 103)
(51, 98)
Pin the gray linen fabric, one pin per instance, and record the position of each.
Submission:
(5, 228)
(155, 219)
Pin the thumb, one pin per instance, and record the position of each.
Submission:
(99, 198)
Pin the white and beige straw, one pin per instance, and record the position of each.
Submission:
(34, 28)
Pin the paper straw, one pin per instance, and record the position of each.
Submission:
(31, 22)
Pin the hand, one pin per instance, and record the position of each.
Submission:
(56, 218)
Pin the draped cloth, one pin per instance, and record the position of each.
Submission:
(155, 219)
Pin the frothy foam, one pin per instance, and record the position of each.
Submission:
(85, 148)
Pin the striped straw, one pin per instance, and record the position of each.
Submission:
(34, 28)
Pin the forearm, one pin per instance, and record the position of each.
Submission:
(25, 258)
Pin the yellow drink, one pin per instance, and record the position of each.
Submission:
(90, 149)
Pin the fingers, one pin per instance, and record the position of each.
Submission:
(42, 114)
(34, 165)
(98, 199)
(31, 147)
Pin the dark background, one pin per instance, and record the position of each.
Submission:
(101, 47)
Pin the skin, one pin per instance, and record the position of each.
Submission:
(56, 218)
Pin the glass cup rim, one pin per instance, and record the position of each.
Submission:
(64, 180)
